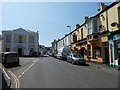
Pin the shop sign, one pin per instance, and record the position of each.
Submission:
(108, 33)
(116, 37)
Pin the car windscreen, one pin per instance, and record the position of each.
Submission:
(11, 55)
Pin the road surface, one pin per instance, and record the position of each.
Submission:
(48, 72)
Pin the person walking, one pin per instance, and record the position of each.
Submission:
(39, 54)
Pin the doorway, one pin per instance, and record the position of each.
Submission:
(82, 53)
(106, 48)
(20, 51)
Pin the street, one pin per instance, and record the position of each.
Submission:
(48, 72)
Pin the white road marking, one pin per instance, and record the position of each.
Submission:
(16, 79)
(6, 74)
(23, 72)
(28, 67)
(19, 76)
(34, 60)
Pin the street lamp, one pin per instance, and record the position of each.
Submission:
(70, 35)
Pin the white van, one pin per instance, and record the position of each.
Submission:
(66, 51)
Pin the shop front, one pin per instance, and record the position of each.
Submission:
(114, 46)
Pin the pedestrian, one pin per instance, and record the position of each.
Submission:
(39, 54)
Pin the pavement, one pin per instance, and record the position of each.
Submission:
(4, 79)
(103, 67)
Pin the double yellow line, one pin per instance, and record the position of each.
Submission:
(17, 87)
(16, 80)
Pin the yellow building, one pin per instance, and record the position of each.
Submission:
(79, 40)
(114, 32)
(98, 42)
(98, 38)
(92, 35)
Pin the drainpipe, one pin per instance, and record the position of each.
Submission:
(107, 20)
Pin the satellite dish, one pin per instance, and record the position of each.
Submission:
(113, 24)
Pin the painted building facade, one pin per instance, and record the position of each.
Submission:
(98, 38)
(114, 33)
(20, 40)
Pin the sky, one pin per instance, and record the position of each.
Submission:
(50, 19)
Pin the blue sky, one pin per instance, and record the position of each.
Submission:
(49, 18)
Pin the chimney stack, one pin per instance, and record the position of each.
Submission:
(86, 19)
(102, 6)
(77, 25)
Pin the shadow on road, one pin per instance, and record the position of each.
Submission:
(11, 65)
(82, 64)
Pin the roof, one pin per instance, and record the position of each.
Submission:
(27, 30)
(108, 7)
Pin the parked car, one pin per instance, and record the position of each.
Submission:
(76, 59)
(35, 54)
(10, 58)
(59, 54)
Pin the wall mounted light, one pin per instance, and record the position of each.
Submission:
(115, 24)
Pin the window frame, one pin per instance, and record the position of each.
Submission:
(20, 39)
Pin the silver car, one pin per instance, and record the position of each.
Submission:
(76, 59)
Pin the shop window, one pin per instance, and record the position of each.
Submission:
(95, 36)
(95, 53)
(99, 52)
(89, 50)
(116, 46)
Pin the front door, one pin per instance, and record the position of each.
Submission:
(20, 51)
(106, 48)
(82, 53)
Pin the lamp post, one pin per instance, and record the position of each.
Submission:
(70, 35)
